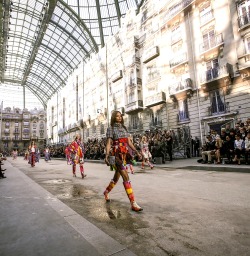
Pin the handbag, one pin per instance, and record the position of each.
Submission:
(112, 160)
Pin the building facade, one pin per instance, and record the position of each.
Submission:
(20, 127)
(176, 63)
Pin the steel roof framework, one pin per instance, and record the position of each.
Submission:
(42, 41)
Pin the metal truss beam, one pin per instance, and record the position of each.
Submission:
(100, 22)
(5, 16)
(118, 10)
(40, 35)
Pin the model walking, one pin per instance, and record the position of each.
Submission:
(32, 154)
(46, 154)
(146, 155)
(75, 155)
(118, 138)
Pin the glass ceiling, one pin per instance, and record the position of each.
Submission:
(42, 41)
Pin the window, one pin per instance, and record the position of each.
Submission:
(131, 97)
(26, 123)
(7, 124)
(206, 14)
(134, 121)
(16, 124)
(247, 44)
(243, 11)
(212, 69)
(217, 102)
(176, 34)
(34, 125)
(209, 40)
(183, 111)
(155, 119)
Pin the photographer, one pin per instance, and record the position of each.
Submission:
(208, 150)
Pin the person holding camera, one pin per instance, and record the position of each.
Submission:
(118, 138)
(208, 150)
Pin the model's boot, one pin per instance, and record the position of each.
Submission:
(134, 206)
(108, 189)
(82, 171)
(74, 170)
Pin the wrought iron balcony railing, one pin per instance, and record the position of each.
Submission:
(214, 73)
(178, 60)
(218, 109)
(180, 86)
(181, 5)
(211, 43)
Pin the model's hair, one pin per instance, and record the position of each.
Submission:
(77, 134)
(113, 119)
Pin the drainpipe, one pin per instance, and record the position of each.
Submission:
(195, 78)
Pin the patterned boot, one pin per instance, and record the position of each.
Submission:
(134, 206)
(108, 189)
(74, 170)
(82, 171)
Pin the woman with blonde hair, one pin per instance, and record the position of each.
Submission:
(118, 142)
(146, 155)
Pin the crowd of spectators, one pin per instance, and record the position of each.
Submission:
(160, 145)
(232, 144)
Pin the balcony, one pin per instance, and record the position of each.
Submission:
(133, 84)
(151, 54)
(117, 76)
(178, 8)
(6, 138)
(213, 46)
(218, 109)
(207, 17)
(181, 88)
(26, 137)
(16, 138)
(244, 20)
(134, 106)
(155, 124)
(179, 60)
(16, 132)
(34, 137)
(132, 60)
(155, 99)
(217, 73)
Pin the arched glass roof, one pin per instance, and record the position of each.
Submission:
(42, 41)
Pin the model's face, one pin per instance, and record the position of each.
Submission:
(118, 117)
